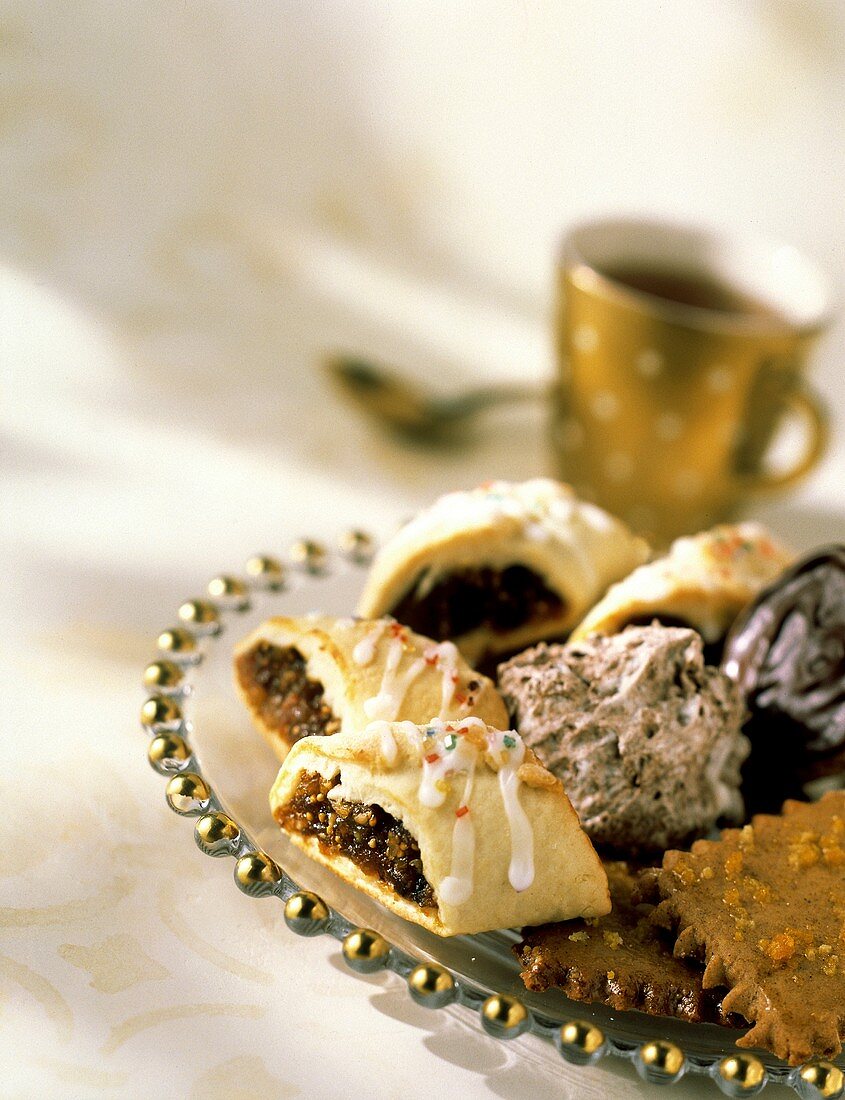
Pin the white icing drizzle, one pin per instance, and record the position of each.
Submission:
(536, 532)
(387, 742)
(521, 869)
(394, 684)
(364, 652)
(412, 731)
(432, 789)
(387, 702)
(447, 751)
(456, 888)
(445, 658)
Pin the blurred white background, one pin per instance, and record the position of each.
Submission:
(198, 199)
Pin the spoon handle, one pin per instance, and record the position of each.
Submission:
(484, 397)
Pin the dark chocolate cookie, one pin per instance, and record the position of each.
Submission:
(786, 651)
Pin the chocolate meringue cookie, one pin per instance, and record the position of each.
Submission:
(643, 734)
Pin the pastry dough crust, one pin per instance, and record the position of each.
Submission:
(705, 580)
(350, 658)
(576, 548)
(568, 879)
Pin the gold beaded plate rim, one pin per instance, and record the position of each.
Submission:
(196, 727)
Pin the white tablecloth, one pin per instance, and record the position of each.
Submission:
(197, 201)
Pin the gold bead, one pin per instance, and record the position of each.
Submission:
(826, 1078)
(179, 643)
(266, 572)
(308, 555)
(365, 951)
(167, 752)
(580, 1042)
(431, 986)
(188, 794)
(229, 590)
(161, 713)
(358, 546)
(305, 913)
(257, 874)
(217, 834)
(661, 1061)
(505, 1017)
(200, 614)
(744, 1072)
(164, 676)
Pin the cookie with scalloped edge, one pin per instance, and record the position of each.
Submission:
(764, 909)
(619, 960)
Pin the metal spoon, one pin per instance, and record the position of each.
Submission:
(407, 408)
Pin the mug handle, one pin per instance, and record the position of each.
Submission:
(812, 410)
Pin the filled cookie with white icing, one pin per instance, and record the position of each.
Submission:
(317, 676)
(453, 825)
(703, 582)
(501, 566)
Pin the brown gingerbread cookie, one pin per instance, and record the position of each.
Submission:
(619, 960)
(764, 909)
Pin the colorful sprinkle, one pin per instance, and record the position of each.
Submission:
(432, 758)
(461, 810)
(509, 742)
(430, 732)
(450, 741)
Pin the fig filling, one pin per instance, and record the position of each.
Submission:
(372, 838)
(499, 599)
(275, 680)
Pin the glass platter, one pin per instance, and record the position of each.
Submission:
(219, 771)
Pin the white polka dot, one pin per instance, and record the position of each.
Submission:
(619, 466)
(570, 434)
(688, 483)
(669, 427)
(605, 405)
(585, 338)
(649, 363)
(719, 379)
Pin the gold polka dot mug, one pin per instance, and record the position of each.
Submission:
(682, 351)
